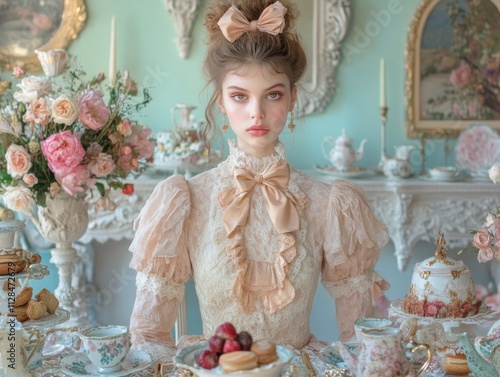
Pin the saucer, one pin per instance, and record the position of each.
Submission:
(79, 364)
(352, 172)
(457, 178)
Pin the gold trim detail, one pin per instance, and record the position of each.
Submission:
(431, 129)
(72, 22)
(456, 274)
(425, 274)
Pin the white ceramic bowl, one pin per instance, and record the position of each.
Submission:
(187, 358)
(443, 172)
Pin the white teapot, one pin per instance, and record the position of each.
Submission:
(342, 153)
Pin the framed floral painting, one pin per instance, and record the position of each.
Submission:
(453, 67)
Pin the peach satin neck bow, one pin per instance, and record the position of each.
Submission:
(273, 183)
(234, 24)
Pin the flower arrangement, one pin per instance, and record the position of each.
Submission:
(63, 133)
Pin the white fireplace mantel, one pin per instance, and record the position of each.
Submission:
(412, 209)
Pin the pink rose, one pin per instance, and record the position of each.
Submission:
(482, 239)
(18, 160)
(431, 310)
(461, 76)
(64, 110)
(30, 180)
(38, 112)
(18, 71)
(102, 165)
(126, 150)
(93, 111)
(124, 163)
(63, 151)
(75, 180)
(485, 255)
(139, 141)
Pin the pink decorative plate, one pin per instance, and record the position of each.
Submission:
(478, 148)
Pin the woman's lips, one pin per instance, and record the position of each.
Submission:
(257, 131)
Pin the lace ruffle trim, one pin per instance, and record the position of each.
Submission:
(157, 285)
(371, 280)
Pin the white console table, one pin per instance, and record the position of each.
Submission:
(412, 209)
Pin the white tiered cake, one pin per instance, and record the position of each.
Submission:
(441, 287)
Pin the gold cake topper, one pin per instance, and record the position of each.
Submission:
(441, 252)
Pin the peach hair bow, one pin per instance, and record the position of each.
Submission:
(234, 24)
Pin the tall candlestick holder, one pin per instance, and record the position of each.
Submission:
(383, 121)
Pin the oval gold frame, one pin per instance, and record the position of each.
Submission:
(415, 127)
(72, 22)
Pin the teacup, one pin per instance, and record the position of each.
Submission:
(106, 346)
(368, 323)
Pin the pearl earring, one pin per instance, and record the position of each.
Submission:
(224, 123)
(291, 125)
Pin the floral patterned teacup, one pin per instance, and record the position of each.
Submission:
(106, 346)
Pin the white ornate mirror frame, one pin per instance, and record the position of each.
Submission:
(330, 19)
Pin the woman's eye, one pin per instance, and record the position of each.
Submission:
(239, 97)
(274, 95)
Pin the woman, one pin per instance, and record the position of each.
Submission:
(254, 233)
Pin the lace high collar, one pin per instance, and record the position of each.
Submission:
(238, 158)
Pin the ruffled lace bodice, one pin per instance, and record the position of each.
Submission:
(262, 280)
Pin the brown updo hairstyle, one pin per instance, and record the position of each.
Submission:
(281, 53)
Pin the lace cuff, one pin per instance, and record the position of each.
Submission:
(360, 283)
(159, 286)
(159, 352)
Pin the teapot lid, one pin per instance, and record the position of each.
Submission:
(343, 139)
(440, 261)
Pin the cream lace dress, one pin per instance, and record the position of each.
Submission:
(260, 280)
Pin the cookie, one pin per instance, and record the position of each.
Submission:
(265, 351)
(36, 309)
(238, 360)
(23, 297)
(20, 313)
(46, 296)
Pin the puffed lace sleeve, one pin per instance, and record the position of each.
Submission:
(354, 237)
(160, 256)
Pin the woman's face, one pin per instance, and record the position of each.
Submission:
(257, 101)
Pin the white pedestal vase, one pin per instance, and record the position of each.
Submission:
(62, 221)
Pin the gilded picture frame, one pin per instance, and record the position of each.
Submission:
(452, 67)
(26, 25)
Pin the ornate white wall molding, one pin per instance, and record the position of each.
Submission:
(183, 12)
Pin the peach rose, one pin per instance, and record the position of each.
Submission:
(124, 127)
(64, 110)
(38, 112)
(18, 160)
(482, 239)
(30, 180)
(102, 165)
(19, 198)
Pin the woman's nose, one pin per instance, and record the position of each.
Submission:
(257, 111)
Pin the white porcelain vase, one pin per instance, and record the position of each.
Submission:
(63, 221)
(53, 61)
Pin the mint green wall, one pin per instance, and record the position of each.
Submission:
(146, 47)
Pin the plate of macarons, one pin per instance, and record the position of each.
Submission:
(238, 354)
